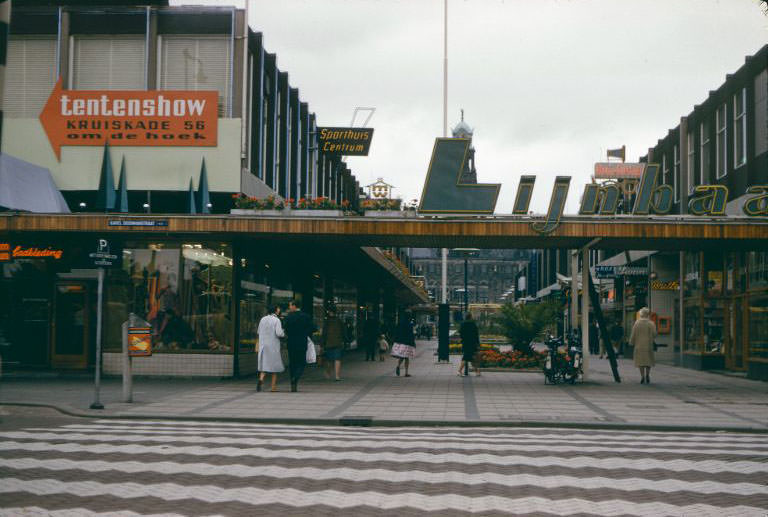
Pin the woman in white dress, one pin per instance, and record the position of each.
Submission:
(270, 360)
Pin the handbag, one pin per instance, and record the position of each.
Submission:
(311, 353)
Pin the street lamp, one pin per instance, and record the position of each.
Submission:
(466, 253)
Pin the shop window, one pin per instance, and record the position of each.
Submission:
(758, 327)
(691, 162)
(183, 290)
(722, 145)
(704, 148)
(758, 270)
(108, 62)
(693, 339)
(197, 63)
(692, 274)
(740, 128)
(30, 73)
(676, 171)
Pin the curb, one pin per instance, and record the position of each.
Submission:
(367, 421)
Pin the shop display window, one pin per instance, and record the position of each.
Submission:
(693, 341)
(692, 274)
(758, 270)
(183, 290)
(758, 327)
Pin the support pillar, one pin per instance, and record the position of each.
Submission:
(585, 308)
(574, 316)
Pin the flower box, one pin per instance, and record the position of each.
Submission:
(301, 212)
(258, 212)
(390, 213)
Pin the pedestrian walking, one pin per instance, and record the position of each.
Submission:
(383, 347)
(594, 339)
(270, 361)
(470, 344)
(370, 336)
(617, 338)
(643, 334)
(333, 343)
(298, 328)
(404, 348)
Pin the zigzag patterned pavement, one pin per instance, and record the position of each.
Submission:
(183, 468)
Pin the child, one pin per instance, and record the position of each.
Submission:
(383, 347)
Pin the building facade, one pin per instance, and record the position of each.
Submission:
(202, 294)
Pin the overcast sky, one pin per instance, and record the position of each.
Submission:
(547, 85)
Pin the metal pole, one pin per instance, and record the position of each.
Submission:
(127, 374)
(574, 316)
(96, 403)
(444, 275)
(445, 69)
(585, 308)
(466, 294)
(681, 315)
(444, 296)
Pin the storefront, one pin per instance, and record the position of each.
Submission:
(726, 323)
(203, 299)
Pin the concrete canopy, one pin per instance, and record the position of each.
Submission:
(28, 187)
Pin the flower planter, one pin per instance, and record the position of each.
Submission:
(390, 213)
(255, 212)
(301, 212)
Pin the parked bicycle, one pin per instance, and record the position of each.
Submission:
(563, 367)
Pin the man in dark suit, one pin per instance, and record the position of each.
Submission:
(298, 327)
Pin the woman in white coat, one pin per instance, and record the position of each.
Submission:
(270, 360)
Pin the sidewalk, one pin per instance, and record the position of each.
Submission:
(677, 398)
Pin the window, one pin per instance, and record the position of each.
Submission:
(30, 75)
(691, 162)
(108, 63)
(197, 63)
(664, 169)
(704, 154)
(676, 171)
(740, 128)
(722, 145)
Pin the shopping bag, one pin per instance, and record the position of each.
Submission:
(311, 353)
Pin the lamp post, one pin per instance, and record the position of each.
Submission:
(466, 253)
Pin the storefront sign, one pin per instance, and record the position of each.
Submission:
(138, 222)
(615, 171)
(9, 252)
(614, 271)
(5, 252)
(105, 256)
(139, 341)
(130, 118)
(672, 285)
(347, 141)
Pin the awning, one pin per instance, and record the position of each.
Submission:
(541, 293)
(620, 259)
(29, 188)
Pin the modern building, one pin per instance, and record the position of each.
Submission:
(711, 308)
(125, 75)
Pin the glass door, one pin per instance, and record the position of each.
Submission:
(735, 343)
(71, 323)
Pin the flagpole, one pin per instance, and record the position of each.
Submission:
(444, 275)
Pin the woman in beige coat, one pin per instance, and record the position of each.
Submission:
(643, 334)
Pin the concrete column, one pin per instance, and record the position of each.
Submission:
(574, 290)
(585, 309)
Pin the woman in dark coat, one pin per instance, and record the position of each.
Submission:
(470, 343)
(404, 348)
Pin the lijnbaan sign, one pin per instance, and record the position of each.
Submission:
(443, 194)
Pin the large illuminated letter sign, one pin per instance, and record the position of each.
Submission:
(757, 205)
(651, 197)
(524, 194)
(708, 200)
(602, 199)
(443, 194)
(556, 206)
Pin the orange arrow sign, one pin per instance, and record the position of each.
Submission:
(130, 117)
